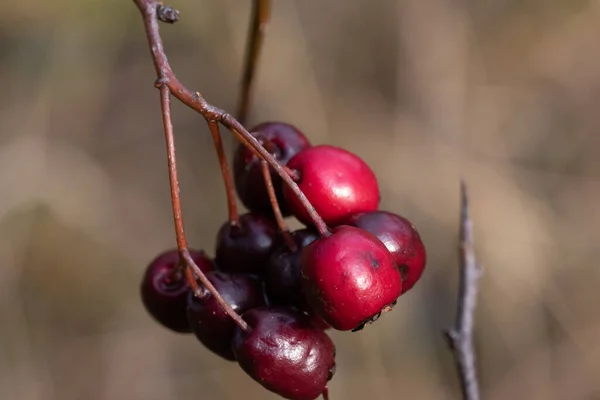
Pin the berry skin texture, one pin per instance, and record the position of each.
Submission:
(283, 141)
(164, 289)
(349, 278)
(401, 239)
(285, 352)
(282, 272)
(245, 246)
(210, 323)
(337, 182)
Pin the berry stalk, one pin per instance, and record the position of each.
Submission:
(227, 179)
(285, 232)
(182, 246)
(150, 10)
(198, 290)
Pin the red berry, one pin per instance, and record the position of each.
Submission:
(337, 183)
(283, 141)
(211, 324)
(401, 239)
(164, 289)
(282, 272)
(246, 245)
(349, 278)
(285, 352)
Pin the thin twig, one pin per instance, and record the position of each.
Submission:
(227, 178)
(460, 338)
(283, 228)
(150, 10)
(182, 246)
(261, 13)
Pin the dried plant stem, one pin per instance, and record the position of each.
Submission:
(261, 13)
(182, 246)
(460, 337)
(285, 232)
(150, 10)
(227, 178)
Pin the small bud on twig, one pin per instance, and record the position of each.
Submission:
(168, 14)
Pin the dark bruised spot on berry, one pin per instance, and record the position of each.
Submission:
(403, 271)
(374, 263)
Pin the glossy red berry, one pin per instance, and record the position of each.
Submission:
(210, 323)
(246, 245)
(282, 272)
(164, 289)
(285, 352)
(349, 278)
(283, 141)
(337, 182)
(401, 239)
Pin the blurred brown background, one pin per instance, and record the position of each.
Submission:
(503, 93)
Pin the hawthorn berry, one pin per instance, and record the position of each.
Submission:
(285, 352)
(245, 245)
(282, 272)
(283, 141)
(349, 278)
(164, 288)
(207, 319)
(401, 239)
(337, 183)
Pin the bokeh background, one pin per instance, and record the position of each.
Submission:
(502, 93)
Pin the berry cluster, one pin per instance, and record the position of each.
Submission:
(347, 267)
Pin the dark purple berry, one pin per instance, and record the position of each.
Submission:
(336, 182)
(282, 273)
(401, 239)
(207, 319)
(246, 245)
(349, 278)
(164, 289)
(283, 141)
(285, 352)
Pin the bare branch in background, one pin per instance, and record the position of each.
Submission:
(261, 13)
(460, 337)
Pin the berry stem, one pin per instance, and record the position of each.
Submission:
(150, 10)
(283, 228)
(199, 291)
(227, 179)
(182, 246)
(261, 13)
(325, 393)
